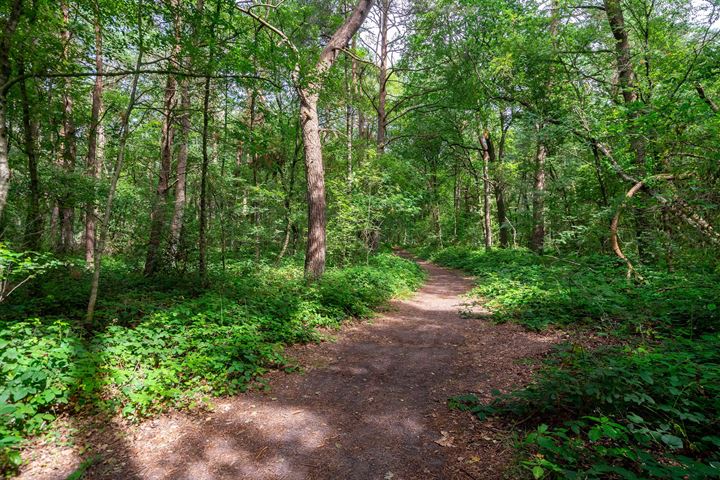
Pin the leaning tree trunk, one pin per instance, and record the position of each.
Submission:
(315, 173)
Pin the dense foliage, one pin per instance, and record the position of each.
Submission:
(163, 165)
(168, 343)
(647, 407)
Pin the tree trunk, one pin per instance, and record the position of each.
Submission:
(315, 174)
(34, 220)
(487, 226)
(8, 31)
(202, 246)
(68, 149)
(382, 76)
(157, 215)
(499, 191)
(626, 79)
(95, 145)
(253, 160)
(122, 142)
(537, 238)
(499, 184)
(349, 120)
(202, 241)
(176, 224)
(181, 184)
(288, 202)
(598, 175)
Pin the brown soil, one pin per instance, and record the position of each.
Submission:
(370, 405)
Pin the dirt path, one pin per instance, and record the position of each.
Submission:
(369, 406)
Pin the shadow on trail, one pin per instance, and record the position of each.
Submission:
(371, 405)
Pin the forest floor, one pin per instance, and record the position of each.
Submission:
(370, 404)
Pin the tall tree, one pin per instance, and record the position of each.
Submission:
(162, 192)
(384, 6)
(628, 89)
(487, 225)
(314, 168)
(96, 141)
(68, 145)
(9, 27)
(34, 218)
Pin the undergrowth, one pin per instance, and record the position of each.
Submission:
(165, 343)
(647, 408)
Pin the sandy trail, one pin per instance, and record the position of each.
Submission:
(370, 405)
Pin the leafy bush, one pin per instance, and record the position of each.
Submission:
(353, 291)
(649, 409)
(42, 365)
(18, 268)
(643, 412)
(538, 291)
(167, 344)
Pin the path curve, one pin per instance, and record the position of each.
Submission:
(370, 405)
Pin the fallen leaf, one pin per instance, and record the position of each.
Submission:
(446, 440)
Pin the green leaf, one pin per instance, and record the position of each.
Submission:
(538, 471)
(672, 441)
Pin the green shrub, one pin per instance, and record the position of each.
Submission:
(649, 409)
(42, 366)
(164, 343)
(643, 412)
(538, 291)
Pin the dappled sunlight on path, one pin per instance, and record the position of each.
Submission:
(369, 405)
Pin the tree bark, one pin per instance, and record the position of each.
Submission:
(122, 142)
(537, 238)
(8, 31)
(487, 225)
(96, 142)
(157, 215)
(68, 148)
(315, 173)
(34, 219)
(382, 76)
(626, 80)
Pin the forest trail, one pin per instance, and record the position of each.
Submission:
(370, 405)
